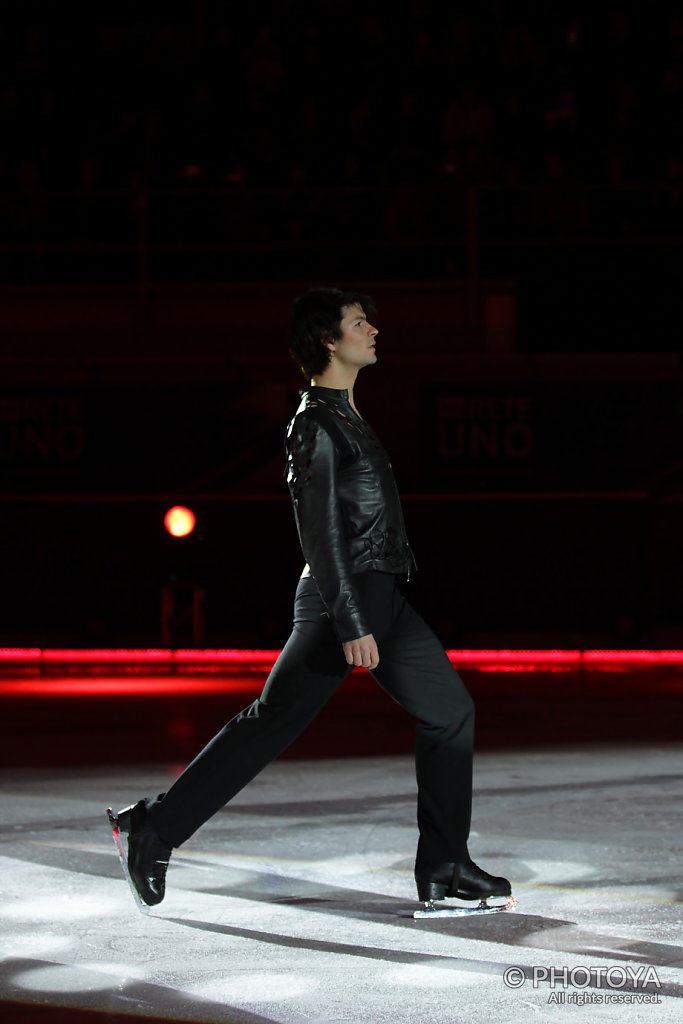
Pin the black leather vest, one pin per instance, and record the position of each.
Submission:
(346, 504)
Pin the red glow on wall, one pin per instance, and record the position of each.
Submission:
(186, 661)
(516, 661)
(179, 521)
(632, 658)
(117, 686)
(119, 656)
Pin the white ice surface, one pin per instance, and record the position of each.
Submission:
(293, 905)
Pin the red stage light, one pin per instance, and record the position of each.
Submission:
(21, 660)
(179, 521)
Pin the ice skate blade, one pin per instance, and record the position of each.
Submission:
(431, 913)
(114, 822)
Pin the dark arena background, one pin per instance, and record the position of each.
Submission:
(506, 180)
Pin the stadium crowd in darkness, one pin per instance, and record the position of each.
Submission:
(310, 94)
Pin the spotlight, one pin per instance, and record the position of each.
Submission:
(179, 521)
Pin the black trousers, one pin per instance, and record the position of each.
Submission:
(413, 669)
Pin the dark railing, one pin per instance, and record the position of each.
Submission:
(204, 234)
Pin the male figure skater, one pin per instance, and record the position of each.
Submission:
(348, 611)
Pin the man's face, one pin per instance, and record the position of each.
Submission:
(356, 347)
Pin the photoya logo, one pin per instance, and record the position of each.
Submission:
(617, 977)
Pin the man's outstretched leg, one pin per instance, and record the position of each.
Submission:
(308, 671)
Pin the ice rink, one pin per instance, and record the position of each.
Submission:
(294, 904)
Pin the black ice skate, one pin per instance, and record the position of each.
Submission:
(476, 891)
(145, 865)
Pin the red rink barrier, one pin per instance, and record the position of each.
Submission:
(189, 660)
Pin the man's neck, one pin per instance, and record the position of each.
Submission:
(336, 378)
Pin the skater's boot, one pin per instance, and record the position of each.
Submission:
(148, 854)
(464, 881)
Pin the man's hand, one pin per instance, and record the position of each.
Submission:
(362, 651)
